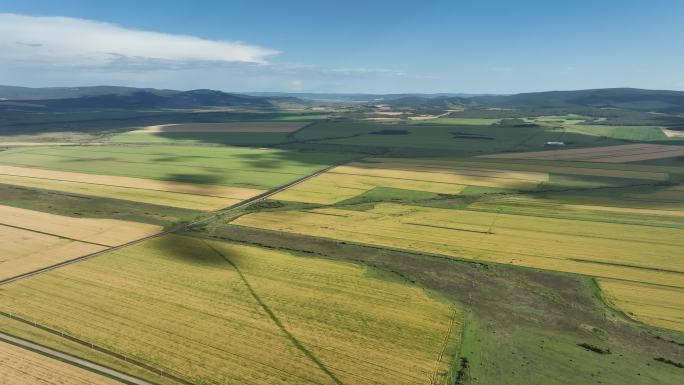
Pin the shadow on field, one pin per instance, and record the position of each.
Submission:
(188, 250)
(233, 260)
(194, 178)
(527, 323)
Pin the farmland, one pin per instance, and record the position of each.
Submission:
(20, 366)
(248, 306)
(235, 133)
(648, 303)
(637, 253)
(444, 244)
(223, 166)
(503, 213)
(33, 239)
(611, 154)
(223, 127)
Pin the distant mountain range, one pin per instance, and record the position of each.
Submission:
(129, 97)
(625, 98)
(132, 98)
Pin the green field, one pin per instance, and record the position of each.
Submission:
(445, 138)
(226, 166)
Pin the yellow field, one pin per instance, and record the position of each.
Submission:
(609, 154)
(176, 194)
(21, 366)
(181, 200)
(264, 317)
(224, 127)
(30, 240)
(331, 187)
(655, 305)
(630, 252)
(22, 251)
(109, 232)
(344, 182)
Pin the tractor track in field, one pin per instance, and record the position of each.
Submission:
(214, 215)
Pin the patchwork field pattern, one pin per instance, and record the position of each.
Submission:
(217, 312)
(626, 233)
(348, 181)
(630, 252)
(195, 178)
(32, 239)
(648, 303)
(610, 154)
(223, 127)
(165, 193)
(21, 366)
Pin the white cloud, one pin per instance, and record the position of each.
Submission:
(54, 42)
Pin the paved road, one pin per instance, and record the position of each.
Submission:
(74, 360)
(135, 242)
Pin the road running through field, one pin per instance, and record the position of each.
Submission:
(86, 365)
(197, 222)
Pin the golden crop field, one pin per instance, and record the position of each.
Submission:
(107, 232)
(655, 305)
(609, 154)
(21, 366)
(22, 251)
(333, 187)
(630, 252)
(30, 240)
(135, 188)
(223, 127)
(210, 311)
(348, 181)
(164, 198)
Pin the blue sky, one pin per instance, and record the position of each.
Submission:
(476, 46)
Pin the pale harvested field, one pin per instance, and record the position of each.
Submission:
(630, 252)
(23, 367)
(567, 168)
(22, 251)
(655, 305)
(164, 198)
(178, 305)
(137, 183)
(108, 232)
(34, 144)
(672, 133)
(609, 154)
(223, 127)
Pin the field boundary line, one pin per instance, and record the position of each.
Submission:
(73, 360)
(211, 217)
(53, 235)
(445, 345)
